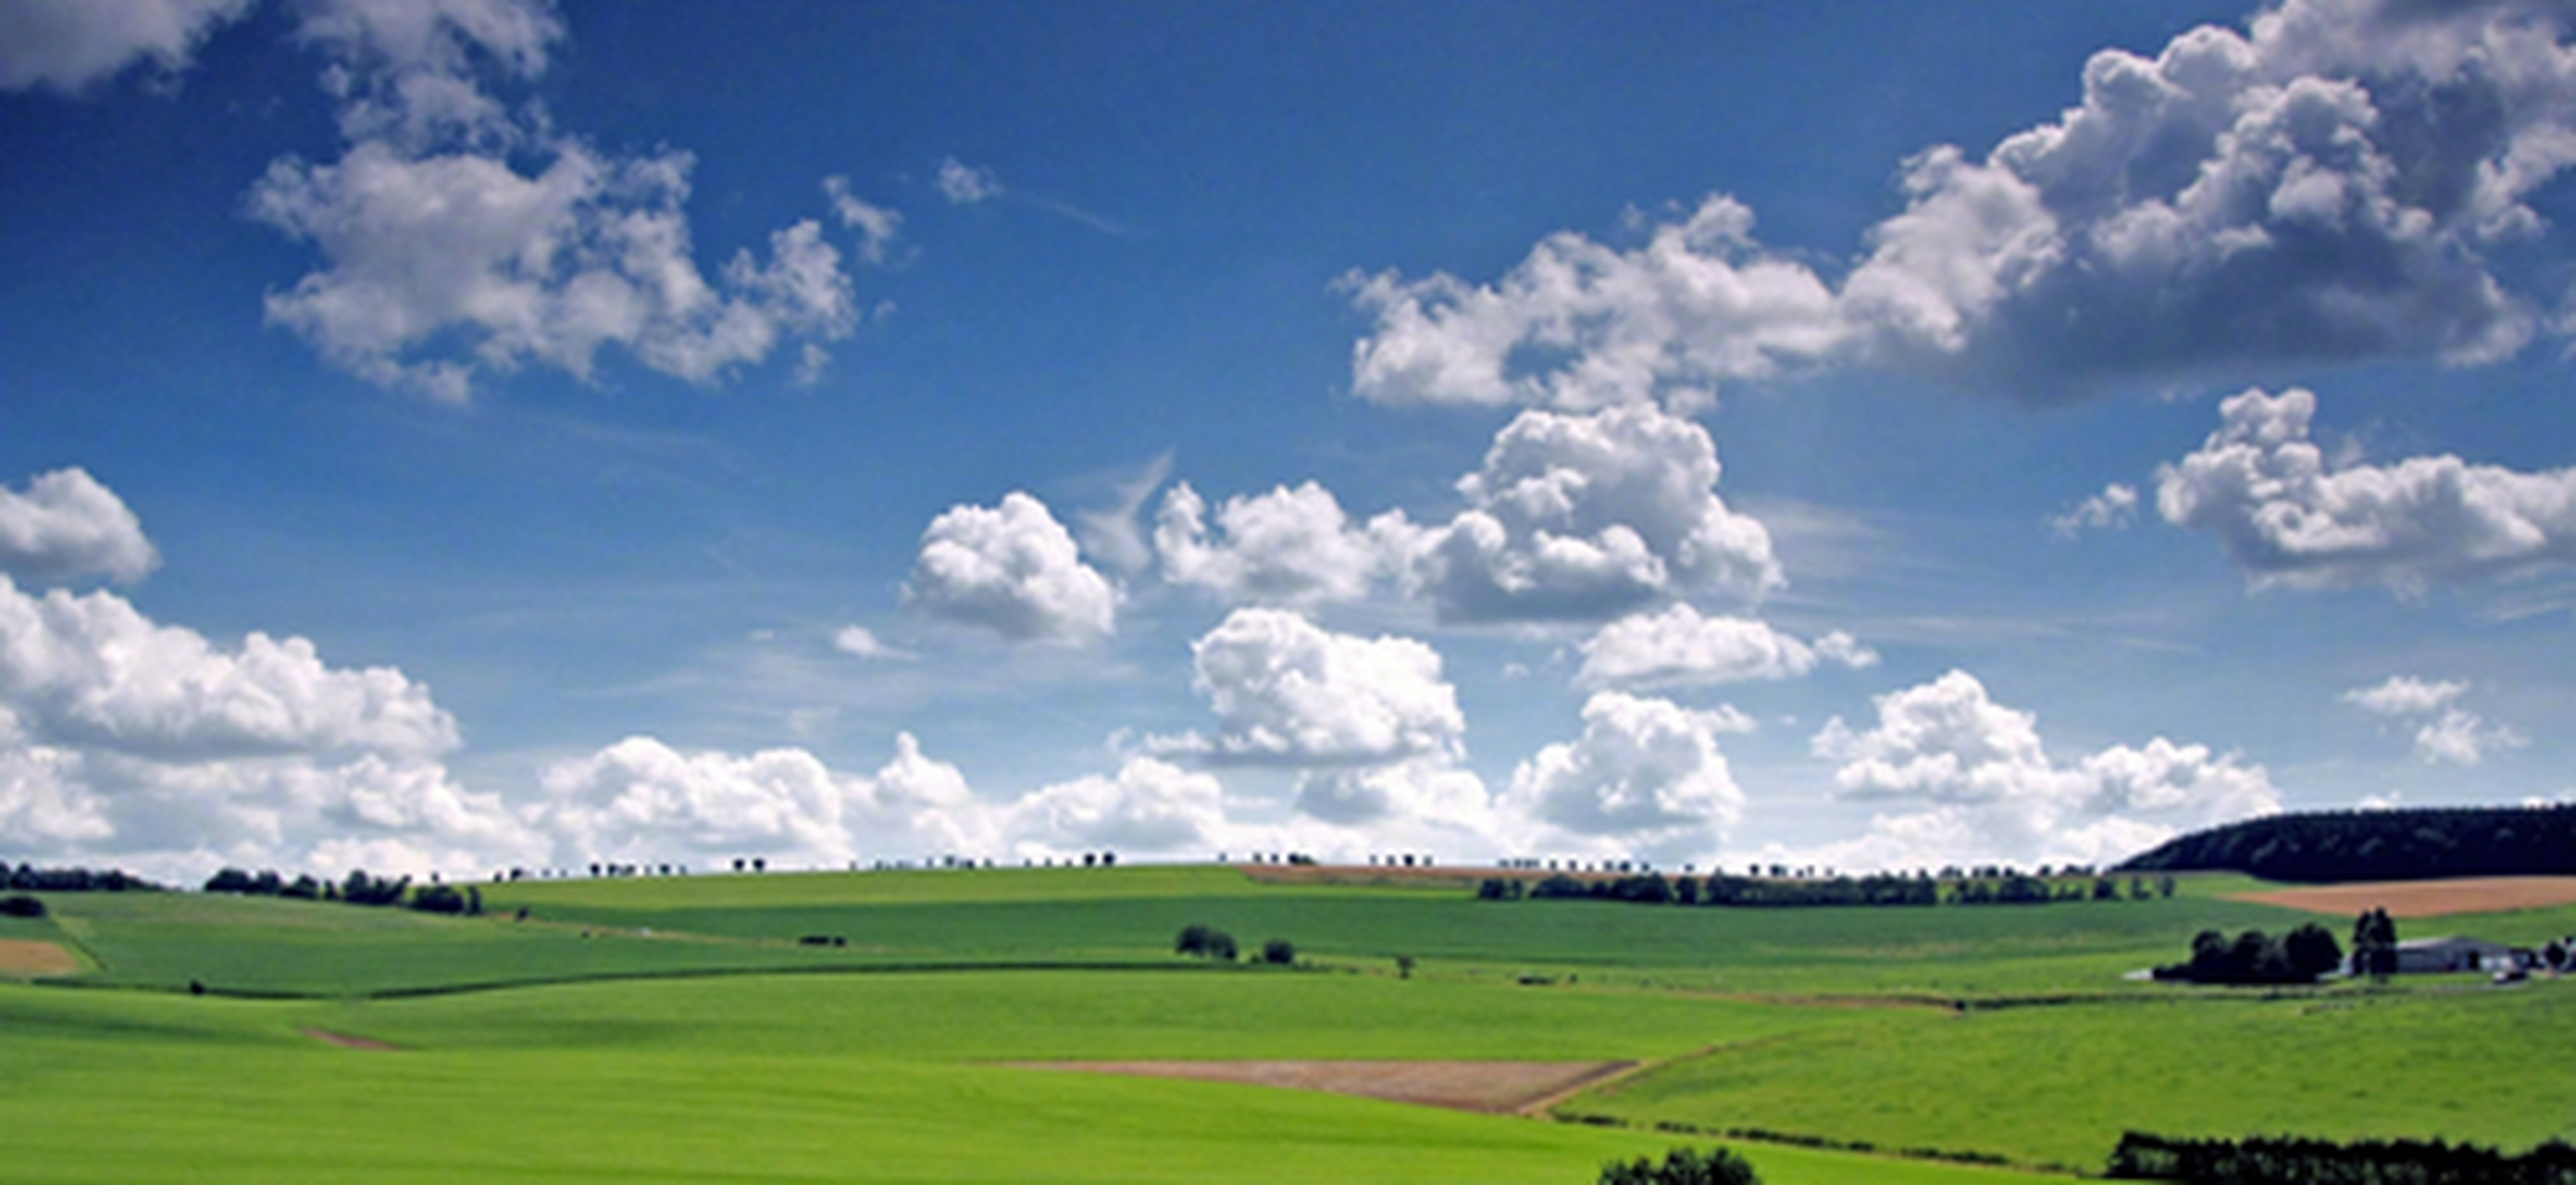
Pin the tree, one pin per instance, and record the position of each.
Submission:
(1279, 952)
(1682, 1166)
(2374, 944)
(1206, 942)
(2311, 951)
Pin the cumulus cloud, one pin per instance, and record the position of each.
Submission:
(1646, 775)
(1288, 692)
(1012, 569)
(1579, 325)
(1150, 806)
(1288, 546)
(2340, 181)
(460, 239)
(640, 800)
(68, 45)
(2444, 731)
(68, 526)
(1585, 517)
(1679, 647)
(2110, 510)
(964, 184)
(1990, 789)
(2288, 516)
(150, 745)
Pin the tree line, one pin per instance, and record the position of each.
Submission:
(2001, 887)
(27, 878)
(2254, 957)
(357, 888)
(2287, 1160)
(2411, 844)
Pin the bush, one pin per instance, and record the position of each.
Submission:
(21, 907)
(1683, 1166)
(1279, 952)
(1206, 942)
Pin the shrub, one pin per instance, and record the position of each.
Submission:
(1279, 952)
(21, 907)
(1683, 1166)
(1206, 942)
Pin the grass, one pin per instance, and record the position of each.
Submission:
(690, 1055)
(2044, 1085)
(113, 1086)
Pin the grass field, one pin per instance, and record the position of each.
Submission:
(572, 1047)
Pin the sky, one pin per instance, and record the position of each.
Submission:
(459, 435)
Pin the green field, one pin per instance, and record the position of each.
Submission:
(572, 1045)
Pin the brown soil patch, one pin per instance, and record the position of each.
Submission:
(2427, 899)
(345, 1041)
(1489, 1087)
(27, 958)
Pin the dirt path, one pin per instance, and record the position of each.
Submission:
(345, 1041)
(27, 958)
(1488, 1087)
(2427, 899)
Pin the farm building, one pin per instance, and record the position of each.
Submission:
(2429, 955)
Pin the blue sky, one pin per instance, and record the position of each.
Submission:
(487, 433)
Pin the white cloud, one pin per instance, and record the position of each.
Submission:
(859, 641)
(1111, 533)
(1012, 569)
(444, 261)
(146, 744)
(2342, 181)
(67, 526)
(2445, 731)
(2288, 516)
(880, 229)
(67, 45)
(642, 801)
(1646, 775)
(1585, 517)
(1578, 325)
(1679, 647)
(1289, 546)
(1991, 791)
(1151, 806)
(2110, 510)
(1287, 692)
(2405, 695)
(964, 184)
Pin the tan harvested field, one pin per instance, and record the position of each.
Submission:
(2427, 899)
(345, 1041)
(1489, 1087)
(26, 958)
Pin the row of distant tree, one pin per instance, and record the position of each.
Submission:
(2415, 844)
(2254, 957)
(2284, 1160)
(27, 878)
(358, 888)
(2006, 887)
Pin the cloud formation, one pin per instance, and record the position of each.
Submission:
(2444, 731)
(1646, 776)
(1585, 517)
(2287, 516)
(67, 526)
(69, 45)
(1150, 806)
(1286, 547)
(450, 219)
(150, 745)
(641, 801)
(2111, 510)
(1014, 570)
(1288, 692)
(2341, 181)
(1680, 648)
(1988, 789)
(965, 185)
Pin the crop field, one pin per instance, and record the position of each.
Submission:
(674, 1029)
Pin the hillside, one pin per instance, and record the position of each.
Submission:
(2429, 844)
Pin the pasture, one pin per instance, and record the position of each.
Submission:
(572, 1046)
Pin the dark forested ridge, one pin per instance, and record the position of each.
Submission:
(2380, 845)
